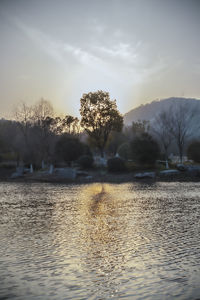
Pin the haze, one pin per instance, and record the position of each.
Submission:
(136, 50)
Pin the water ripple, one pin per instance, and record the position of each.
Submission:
(99, 241)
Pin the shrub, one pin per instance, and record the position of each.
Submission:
(85, 161)
(193, 151)
(145, 149)
(124, 151)
(116, 164)
(68, 149)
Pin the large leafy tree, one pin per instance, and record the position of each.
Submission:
(99, 117)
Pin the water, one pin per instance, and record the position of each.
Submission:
(132, 241)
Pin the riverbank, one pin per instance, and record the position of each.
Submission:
(99, 176)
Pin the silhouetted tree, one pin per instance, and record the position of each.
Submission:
(193, 151)
(136, 129)
(114, 141)
(69, 148)
(124, 151)
(162, 129)
(182, 125)
(145, 149)
(35, 122)
(99, 117)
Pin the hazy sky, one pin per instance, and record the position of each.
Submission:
(136, 50)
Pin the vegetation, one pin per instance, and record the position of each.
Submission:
(145, 149)
(163, 131)
(181, 118)
(99, 117)
(116, 164)
(68, 149)
(193, 151)
(37, 136)
(124, 151)
(86, 161)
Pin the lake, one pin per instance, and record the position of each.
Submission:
(99, 241)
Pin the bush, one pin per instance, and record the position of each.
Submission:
(145, 149)
(85, 161)
(116, 164)
(68, 149)
(193, 151)
(124, 151)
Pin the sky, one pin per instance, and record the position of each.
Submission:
(137, 50)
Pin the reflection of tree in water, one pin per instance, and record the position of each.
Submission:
(102, 238)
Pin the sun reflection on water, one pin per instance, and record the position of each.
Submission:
(100, 236)
(100, 241)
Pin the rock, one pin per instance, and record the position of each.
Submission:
(89, 177)
(19, 173)
(169, 172)
(181, 167)
(145, 175)
(66, 173)
(100, 161)
(82, 173)
(193, 170)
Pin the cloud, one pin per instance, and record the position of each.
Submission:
(120, 51)
(124, 62)
(57, 49)
(115, 65)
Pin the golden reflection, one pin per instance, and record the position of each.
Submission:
(98, 213)
(101, 235)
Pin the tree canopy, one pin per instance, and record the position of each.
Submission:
(69, 148)
(99, 117)
(145, 149)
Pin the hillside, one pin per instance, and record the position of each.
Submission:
(150, 110)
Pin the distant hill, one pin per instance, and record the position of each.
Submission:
(150, 110)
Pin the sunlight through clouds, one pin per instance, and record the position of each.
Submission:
(131, 49)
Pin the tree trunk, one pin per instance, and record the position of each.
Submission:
(102, 152)
(181, 154)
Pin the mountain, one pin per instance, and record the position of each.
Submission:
(150, 110)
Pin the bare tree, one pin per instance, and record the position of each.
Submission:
(161, 127)
(183, 125)
(23, 114)
(33, 121)
(41, 110)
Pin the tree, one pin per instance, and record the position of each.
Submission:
(35, 123)
(193, 151)
(162, 129)
(41, 110)
(124, 151)
(182, 124)
(69, 148)
(140, 127)
(136, 129)
(115, 140)
(70, 125)
(145, 149)
(24, 117)
(99, 117)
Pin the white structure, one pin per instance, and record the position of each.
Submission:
(51, 169)
(31, 169)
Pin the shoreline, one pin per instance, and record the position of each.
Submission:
(101, 178)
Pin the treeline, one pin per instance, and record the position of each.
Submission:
(37, 136)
